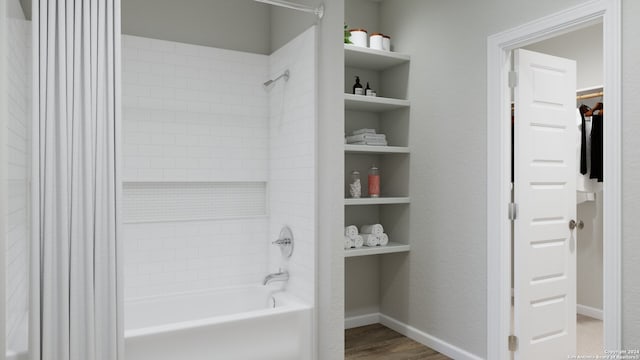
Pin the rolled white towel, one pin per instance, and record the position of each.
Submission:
(384, 239)
(358, 242)
(376, 229)
(348, 242)
(370, 240)
(351, 231)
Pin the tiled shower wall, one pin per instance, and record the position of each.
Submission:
(193, 114)
(292, 161)
(19, 134)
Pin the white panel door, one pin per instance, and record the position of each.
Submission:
(545, 194)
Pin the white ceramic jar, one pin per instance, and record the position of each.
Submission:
(358, 37)
(375, 41)
(386, 42)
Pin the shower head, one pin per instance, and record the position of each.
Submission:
(284, 75)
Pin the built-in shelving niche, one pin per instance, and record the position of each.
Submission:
(160, 201)
(388, 113)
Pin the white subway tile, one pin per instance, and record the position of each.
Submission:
(190, 116)
(150, 56)
(136, 42)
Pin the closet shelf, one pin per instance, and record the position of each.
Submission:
(392, 247)
(377, 201)
(590, 89)
(373, 103)
(365, 58)
(355, 149)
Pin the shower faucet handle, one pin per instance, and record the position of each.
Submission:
(284, 241)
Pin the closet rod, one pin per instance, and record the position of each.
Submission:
(590, 95)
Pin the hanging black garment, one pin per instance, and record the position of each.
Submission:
(597, 153)
(583, 145)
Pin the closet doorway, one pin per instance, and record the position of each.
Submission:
(543, 214)
(591, 260)
(585, 47)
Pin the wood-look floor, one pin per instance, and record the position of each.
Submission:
(376, 341)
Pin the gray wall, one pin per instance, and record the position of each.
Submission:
(363, 14)
(442, 288)
(241, 25)
(630, 174)
(287, 24)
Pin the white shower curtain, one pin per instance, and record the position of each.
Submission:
(77, 283)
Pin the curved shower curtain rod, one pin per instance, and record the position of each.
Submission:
(318, 11)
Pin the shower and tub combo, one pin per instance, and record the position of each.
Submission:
(203, 273)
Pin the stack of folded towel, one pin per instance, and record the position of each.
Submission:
(367, 137)
(351, 237)
(374, 235)
(370, 235)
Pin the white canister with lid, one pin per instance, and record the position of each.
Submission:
(386, 42)
(358, 37)
(375, 41)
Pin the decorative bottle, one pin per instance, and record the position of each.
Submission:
(374, 182)
(357, 87)
(355, 188)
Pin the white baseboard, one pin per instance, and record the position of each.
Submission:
(361, 320)
(427, 340)
(589, 311)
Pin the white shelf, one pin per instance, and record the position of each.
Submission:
(373, 103)
(392, 247)
(377, 201)
(365, 58)
(369, 149)
(589, 89)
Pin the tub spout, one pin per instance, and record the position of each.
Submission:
(279, 276)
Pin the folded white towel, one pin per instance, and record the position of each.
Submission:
(371, 240)
(376, 142)
(384, 239)
(370, 143)
(363, 131)
(366, 137)
(351, 231)
(375, 229)
(358, 242)
(348, 242)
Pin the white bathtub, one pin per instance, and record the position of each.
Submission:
(228, 324)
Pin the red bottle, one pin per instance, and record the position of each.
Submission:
(374, 182)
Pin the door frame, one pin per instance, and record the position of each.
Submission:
(499, 47)
(3, 172)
